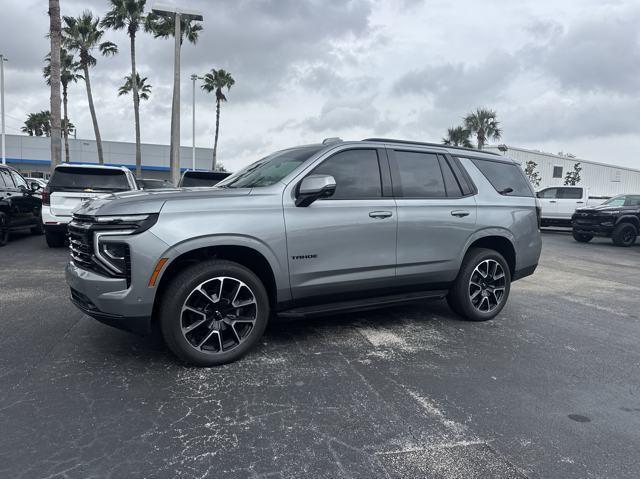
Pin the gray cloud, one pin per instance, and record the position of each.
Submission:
(304, 69)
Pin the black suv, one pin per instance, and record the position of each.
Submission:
(20, 204)
(617, 218)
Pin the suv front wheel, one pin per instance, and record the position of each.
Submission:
(213, 313)
(482, 287)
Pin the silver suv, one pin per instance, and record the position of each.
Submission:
(310, 230)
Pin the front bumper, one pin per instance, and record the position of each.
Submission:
(596, 226)
(113, 301)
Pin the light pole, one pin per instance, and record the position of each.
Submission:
(177, 15)
(2, 60)
(194, 77)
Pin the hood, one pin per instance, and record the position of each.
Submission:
(596, 209)
(150, 201)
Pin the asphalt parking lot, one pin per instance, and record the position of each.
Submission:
(551, 388)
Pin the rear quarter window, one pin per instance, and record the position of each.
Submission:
(89, 178)
(503, 176)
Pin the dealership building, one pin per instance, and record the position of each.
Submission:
(602, 179)
(31, 155)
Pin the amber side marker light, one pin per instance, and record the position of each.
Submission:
(156, 271)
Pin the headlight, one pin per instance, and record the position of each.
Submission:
(113, 254)
(610, 212)
(135, 223)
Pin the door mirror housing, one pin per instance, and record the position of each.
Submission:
(314, 187)
(35, 186)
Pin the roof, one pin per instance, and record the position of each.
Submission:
(439, 145)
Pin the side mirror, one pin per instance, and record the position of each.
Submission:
(35, 186)
(314, 187)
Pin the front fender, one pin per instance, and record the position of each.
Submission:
(280, 271)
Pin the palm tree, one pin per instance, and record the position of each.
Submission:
(68, 73)
(32, 125)
(55, 35)
(216, 81)
(129, 14)
(484, 124)
(142, 88)
(164, 27)
(83, 35)
(458, 136)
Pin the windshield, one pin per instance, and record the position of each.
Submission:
(270, 170)
(89, 179)
(623, 200)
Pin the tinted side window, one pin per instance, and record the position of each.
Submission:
(548, 193)
(357, 174)
(570, 193)
(504, 175)
(7, 178)
(18, 180)
(419, 174)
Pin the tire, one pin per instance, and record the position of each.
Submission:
(4, 230)
(624, 234)
(54, 239)
(582, 237)
(472, 296)
(203, 329)
(38, 229)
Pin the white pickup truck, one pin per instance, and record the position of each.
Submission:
(69, 186)
(560, 202)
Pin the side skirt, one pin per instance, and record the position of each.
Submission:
(360, 304)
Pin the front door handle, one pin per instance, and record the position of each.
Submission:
(460, 213)
(553, 201)
(380, 214)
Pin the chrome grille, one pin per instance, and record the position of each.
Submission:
(81, 246)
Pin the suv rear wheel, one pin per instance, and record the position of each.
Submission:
(54, 239)
(214, 313)
(482, 286)
(624, 234)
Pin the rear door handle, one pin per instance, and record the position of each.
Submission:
(553, 201)
(460, 213)
(580, 202)
(380, 214)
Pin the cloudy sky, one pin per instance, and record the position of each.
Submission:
(563, 75)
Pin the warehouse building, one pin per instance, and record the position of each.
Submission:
(31, 155)
(602, 179)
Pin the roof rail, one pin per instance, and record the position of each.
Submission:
(440, 145)
(333, 139)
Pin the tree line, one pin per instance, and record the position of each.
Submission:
(80, 43)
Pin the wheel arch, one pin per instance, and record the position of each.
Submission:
(629, 219)
(497, 241)
(246, 256)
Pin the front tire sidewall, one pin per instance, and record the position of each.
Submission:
(582, 237)
(4, 230)
(178, 291)
(619, 233)
(458, 297)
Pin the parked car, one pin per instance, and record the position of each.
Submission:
(617, 218)
(20, 204)
(202, 178)
(42, 183)
(152, 184)
(72, 184)
(306, 231)
(560, 202)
